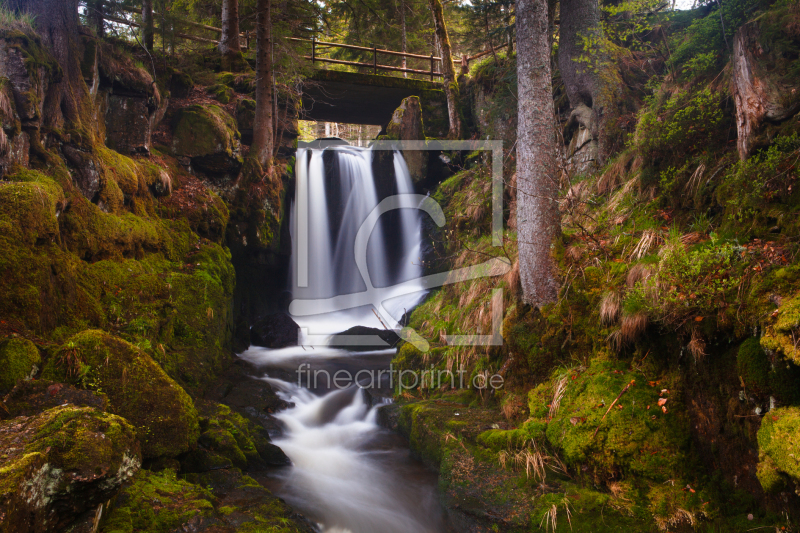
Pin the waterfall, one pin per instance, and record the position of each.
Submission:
(336, 192)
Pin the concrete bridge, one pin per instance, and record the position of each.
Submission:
(351, 98)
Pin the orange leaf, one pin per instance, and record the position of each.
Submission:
(663, 408)
(698, 319)
(661, 402)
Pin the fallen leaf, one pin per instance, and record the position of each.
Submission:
(648, 407)
(663, 408)
(664, 391)
(661, 402)
(698, 319)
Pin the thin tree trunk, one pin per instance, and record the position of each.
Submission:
(96, 16)
(538, 221)
(261, 149)
(404, 41)
(147, 23)
(448, 69)
(229, 45)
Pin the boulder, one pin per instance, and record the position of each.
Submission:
(275, 331)
(245, 118)
(32, 397)
(362, 338)
(137, 388)
(406, 125)
(19, 359)
(27, 78)
(60, 464)
(779, 449)
(207, 135)
(762, 83)
(87, 177)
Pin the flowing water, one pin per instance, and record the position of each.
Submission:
(348, 473)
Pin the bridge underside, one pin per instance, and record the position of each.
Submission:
(350, 98)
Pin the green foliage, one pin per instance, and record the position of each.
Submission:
(763, 178)
(778, 448)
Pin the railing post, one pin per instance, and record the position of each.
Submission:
(313, 50)
(374, 59)
(431, 67)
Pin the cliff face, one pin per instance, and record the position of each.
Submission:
(117, 296)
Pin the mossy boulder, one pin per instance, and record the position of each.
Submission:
(208, 136)
(779, 449)
(781, 335)
(19, 359)
(61, 463)
(29, 398)
(246, 118)
(222, 93)
(753, 365)
(137, 388)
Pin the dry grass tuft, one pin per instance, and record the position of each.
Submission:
(691, 238)
(637, 273)
(649, 239)
(610, 307)
(166, 181)
(559, 388)
(4, 146)
(697, 346)
(632, 328)
(513, 280)
(575, 251)
(693, 185)
(614, 174)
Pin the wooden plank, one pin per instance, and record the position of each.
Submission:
(364, 49)
(370, 65)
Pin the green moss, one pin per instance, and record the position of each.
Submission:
(203, 130)
(780, 336)
(222, 93)
(18, 359)
(137, 388)
(779, 448)
(752, 364)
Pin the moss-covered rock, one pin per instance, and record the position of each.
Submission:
(29, 398)
(61, 463)
(779, 448)
(222, 93)
(781, 335)
(752, 364)
(207, 135)
(137, 388)
(246, 118)
(19, 359)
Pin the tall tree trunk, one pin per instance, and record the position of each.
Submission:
(229, 41)
(448, 69)
(96, 12)
(538, 221)
(147, 23)
(56, 22)
(404, 38)
(588, 95)
(261, 149)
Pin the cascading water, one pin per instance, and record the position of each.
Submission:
(348, 473)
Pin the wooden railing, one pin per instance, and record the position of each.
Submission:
(375, 51)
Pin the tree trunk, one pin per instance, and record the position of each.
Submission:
(147, 23)
(404, 37)
(96, 12)
(588, 95)
(56, 22)
(261, 149)
(538, 221)
(448, 69)
(229, 41)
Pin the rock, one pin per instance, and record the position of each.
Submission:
(137, 388)
(406, 125)
(222, 93)
(28, 87)
(130, 121)
(779, 335)
(19, 359)
(761, 83)
(362, 338)
(778, 449)
(275, 331)
(61, 463)
(87, 177)
(582, 150)
(29, 398)
(180, 84)
(208, 136)
(245, 118)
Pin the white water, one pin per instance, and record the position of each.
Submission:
(347, 473)
(328, 260)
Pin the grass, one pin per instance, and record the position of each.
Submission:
(18, 21)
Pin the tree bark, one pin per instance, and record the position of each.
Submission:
(404, 37)
(538, 221)
(261, 149)
(588, 95)
(147, 24)
(56, 22)
(229, 41)
(97, 10)
(448, 69)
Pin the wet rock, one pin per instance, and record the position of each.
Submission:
(208, 136)
(19, 359)
(137, 388)
(130, 121)
(27, 87)
(362, 338)
(275, 331)
(29, 398)
(87, 176)
(59, 464)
